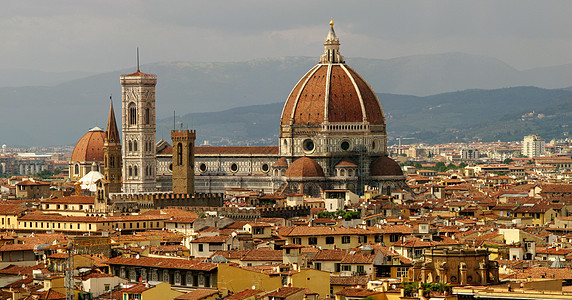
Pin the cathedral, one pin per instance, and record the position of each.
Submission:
(332, 137)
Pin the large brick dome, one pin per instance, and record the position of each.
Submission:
(332, 92)
(89, 147)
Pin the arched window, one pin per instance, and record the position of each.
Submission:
(180, 154)
(147, 117)
(135, 146)
(130, 171)
(76, 171)
(135, 171)
(132, 114)
(130, 146)
(112, 162)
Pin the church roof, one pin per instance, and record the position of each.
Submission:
(89, 147)
(385, 166)
(304, 167)
(332, 92)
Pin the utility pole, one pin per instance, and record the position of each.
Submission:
(69, 272)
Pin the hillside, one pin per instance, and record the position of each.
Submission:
(62, 113)
(471, 115)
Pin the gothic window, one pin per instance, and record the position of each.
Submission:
(147, 118)
(180, 154)
(135, 146)
(112, 162)
(132, 114)
(130, 147)
(130, 171)
(135, 171)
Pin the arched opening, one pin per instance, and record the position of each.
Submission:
(147, 116)
(76, 169)
(130, 171)
(180, 154)
(135, 171)
(135, 146)
(132, 114)
(130, 146)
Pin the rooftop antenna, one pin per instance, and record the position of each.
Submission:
(137, 59)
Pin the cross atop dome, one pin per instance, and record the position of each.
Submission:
(332, 48)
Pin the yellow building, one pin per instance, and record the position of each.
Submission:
(236, 279)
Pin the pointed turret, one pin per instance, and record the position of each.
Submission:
(112, 154)
(112, 133)
(331, 48)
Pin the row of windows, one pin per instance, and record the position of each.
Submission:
(77, 226)
(234, 167)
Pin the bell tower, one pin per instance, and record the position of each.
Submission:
(138, 124)
(183, 161)
(112, 153)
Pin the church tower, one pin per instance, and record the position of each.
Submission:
(138, 124)
(112, 153)
(183, 161)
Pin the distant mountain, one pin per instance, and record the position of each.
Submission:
(472, 115)
(20, 77)
(62, 113)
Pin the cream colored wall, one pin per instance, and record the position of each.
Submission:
(321, 242)
(236, 279)
(160, 291)
(317, 281)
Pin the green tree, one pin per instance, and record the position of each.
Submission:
(507, 161)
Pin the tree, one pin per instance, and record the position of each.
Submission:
(507, 161)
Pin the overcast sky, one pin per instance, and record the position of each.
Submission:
(98, 36)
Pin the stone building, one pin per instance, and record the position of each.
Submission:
(456, 266)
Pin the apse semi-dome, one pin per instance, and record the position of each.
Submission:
(89, 147)
(304, 167)
(385, 166)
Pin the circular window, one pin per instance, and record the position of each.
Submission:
(234, 167)
(308, 145)
(203, 167)
(171, 167)
(345, 145)
(265, 168)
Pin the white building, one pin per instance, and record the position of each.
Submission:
(533, 145)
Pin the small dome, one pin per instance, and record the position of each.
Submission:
(89, 147)
(281, 163)
(346, 163)
(305, 167)
(385, 166)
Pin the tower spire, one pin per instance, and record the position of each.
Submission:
(331, 47)
(111, 133)
(137, 59)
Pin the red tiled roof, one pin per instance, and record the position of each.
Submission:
(236, 150)
(171, 263)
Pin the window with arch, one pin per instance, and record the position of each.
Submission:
(147, 116)
(130, 146)
(135, 146)
(76, 169)
(180, 154)
(135, 171)
(130, 171)
(132, 114)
